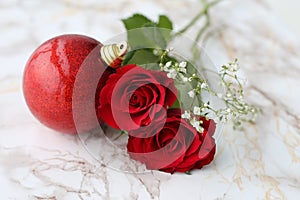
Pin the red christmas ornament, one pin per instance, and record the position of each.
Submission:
(62, 82)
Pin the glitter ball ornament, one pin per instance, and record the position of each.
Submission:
(62, 82)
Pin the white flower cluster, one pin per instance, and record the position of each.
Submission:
(202, 85)
(176, 70)
(193, 121)
(197, 112)
(236, 109)
(232, 66)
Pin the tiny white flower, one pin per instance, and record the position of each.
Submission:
(228, 110)
(196, 125)
(160, 65)
(186, 115)
(182, 64)
(183, 78)
(203, 109)
(197, 110)
(200, 129)
(234, 67)
(168, 64)
(190, 79)
(172, 74)
(205, 105)
(228, 95)
(166, 69)
(191, 93)
(155, 52)
(204, 85)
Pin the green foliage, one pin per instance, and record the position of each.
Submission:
(136, 21)
(145, 36)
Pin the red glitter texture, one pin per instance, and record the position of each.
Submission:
(62, 83)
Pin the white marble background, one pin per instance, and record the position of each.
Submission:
(262, 162)
(288, 12)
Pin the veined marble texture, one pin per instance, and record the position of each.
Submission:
(261, 162)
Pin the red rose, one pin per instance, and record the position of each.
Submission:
(133, 96)
(175, 147)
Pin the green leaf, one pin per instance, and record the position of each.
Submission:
(165, 22)
(188, 173)
(191, 69)
(127, 58)
(138, 39)
(144, 36)
(185, 99)
(135, 21)
(150, 66)
(176, 104)
(142, 57)
(144, 33)
(166, 27)
(155, 34)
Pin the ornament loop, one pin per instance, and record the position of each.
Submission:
(113, 54)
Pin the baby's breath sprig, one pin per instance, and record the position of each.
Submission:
(176, 70)
(236, 108)
(173, 69)
(194, 120)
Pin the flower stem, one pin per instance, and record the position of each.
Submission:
(195, 48)
(203, 12)
(121, 134)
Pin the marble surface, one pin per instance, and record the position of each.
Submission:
(261, 162)
(288, 12)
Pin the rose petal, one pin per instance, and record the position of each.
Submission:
(164, 137)
(105, 110)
